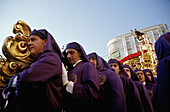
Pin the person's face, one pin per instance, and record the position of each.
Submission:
(127, 71)
(36, 44)
(93, 61)
(115, 66)
(141, 76)
(73, 56)
(148, 74)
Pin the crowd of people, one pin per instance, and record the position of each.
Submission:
(73, 81)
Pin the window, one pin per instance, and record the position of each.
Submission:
(137, 44)
(150, 34)
(163, 29)
(156, 34)
(113, 47)
(129, 45)
(130, 51)
(116, 54)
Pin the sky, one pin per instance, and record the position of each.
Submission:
(91, 23)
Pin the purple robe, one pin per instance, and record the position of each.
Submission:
(151, 89)
(146, 101)
(133, 100)
(162, 49)
(134, 77)
(111, 97)
(39, 88)
(86, 84)
(85, 90)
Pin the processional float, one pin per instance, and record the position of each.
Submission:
(16, 53)
(145, 58)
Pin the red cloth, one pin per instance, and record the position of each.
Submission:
(131, 56)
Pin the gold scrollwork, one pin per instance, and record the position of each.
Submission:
(23, 28)
(15, 48)
(16, 52)
(10, 68)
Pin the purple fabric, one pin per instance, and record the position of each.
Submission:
(152, 77)
(146, 77)
(151, 88)
(86, 83)
(41, 83)
(39, 33)
(133, 75)
(86, 88)
(133, 99)
(77, 46)
(51, 44)
(111, 96)
(122, 72)
(73, 45)
(130, 90)
(162, 49)
(162, 46)
(111, 92)
(101, 63)
(145, 98)
(39, 87)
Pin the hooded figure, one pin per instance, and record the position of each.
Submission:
(162, 49)
(111, 97)
(149, 72)
(146, 101)
(82, 85)
(151, 89)
(133, 100)
(39, 87)
(132, 73)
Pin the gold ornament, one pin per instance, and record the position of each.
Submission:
(16, 52)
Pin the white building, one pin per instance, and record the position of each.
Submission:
(121, 46)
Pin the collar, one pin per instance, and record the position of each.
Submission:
(77, 63)
(144, 83)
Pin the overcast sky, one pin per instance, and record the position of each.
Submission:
(92, 23)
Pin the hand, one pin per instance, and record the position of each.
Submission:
(64, 75)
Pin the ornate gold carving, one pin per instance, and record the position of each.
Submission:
(16, 52)
(15, 48)
(148, 59)
(10, 68)
(23, 28)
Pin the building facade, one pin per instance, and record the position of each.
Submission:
(121, 46)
